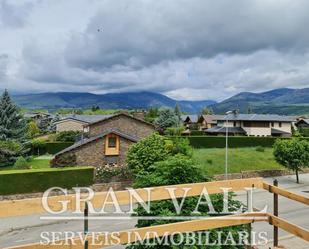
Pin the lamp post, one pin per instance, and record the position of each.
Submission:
(226, 144)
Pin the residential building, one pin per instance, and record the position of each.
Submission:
(302, 123)
(253, 125)
(109, 140)
(208, 121)
(77, 122)
(38, 117)
(189, 120)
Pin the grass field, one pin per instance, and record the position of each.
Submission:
(41, 162)
(212, 161)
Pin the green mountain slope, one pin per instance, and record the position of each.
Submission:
(283, 101)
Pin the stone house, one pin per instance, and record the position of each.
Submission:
(253, 125)
(108, 141)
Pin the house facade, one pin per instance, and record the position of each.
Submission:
(253, 125)
(77, 122)
(108, 141)
(208, 121)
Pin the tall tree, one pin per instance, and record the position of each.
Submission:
(206, 111)
(12, 124)
(167, 118)
(177, 111)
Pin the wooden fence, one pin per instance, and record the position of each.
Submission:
(34, 206)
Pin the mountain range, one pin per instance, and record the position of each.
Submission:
(284, 101)
(278, 101)
(130, 100)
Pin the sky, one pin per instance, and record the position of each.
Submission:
(185, 49)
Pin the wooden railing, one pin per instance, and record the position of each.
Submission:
(34, 206)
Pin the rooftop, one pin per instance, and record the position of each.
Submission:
(257, 117)
(86, 118)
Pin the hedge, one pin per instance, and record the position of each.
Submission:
(39, 180)
(234, 141)
(50, 148)
(304, 132)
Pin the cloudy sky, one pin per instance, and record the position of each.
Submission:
(186, 49)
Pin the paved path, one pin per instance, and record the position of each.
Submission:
(23, 230)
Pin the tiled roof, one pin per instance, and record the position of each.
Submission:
(257, 117)
(89, 140)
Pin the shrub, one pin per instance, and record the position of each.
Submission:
(107, 173)
(9, 151)
(174, 131)
(292, 154)
(260, 149)
(197, 133)
(21, 163)
(38, 146)
(63, 160)
(54, 148)
(32, 129)
(68, 136)
(146, 152)
(31, 181)
(178, 169)
(234, 141)
(304, 132)
(180, 145)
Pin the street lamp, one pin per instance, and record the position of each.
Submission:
(226, 143)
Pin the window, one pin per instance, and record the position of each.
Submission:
(112, 142)
(234, 123)
(111, 145)
(258, 124)
(280, 124)
(272, 124)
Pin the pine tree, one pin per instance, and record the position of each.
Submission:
(12, 124)
(177, 111)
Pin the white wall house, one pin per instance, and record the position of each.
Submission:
(254, 125)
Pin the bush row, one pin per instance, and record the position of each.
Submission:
(31, 181)
(49, 147)
(304, 132)
(234, 141)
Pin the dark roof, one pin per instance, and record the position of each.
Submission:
(192, 118)
(278, 132)
(220, 129)
(89, 140)
(121, 114)
(85, 118)
(303, 120)
(34, 114)
(257, 117)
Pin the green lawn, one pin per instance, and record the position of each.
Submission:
(41, 162)
(212, 161)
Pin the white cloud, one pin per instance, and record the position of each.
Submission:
(187, 49)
